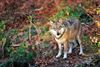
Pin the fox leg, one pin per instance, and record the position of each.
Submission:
(65, 50)
(70, 48)
(75, 44)
(81, 48)
(72, 45)
(60, 50)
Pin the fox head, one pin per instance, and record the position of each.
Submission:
(56, 28)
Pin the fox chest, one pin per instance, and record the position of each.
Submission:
(66, 37)
(63, 38)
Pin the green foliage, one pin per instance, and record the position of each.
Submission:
(7, 46)
(79, 65)
(44, 30)
(90, 47)
(2, 25)
(30, 18)
(86, 39)
(2, 35)
(98, 44)
(2, 65)
(33, 31)
(7, 64)
(22, 54)
(13, 32)
(46, 44)
(23, 46)
(30, 56)
(26, 33)
(79, 12)
(61, 14)
(2, 28)
(76, 12)
(73, 12)
(84, 18)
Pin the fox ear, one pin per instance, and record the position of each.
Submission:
(60, 20)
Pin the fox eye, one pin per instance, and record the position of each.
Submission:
(60, 26)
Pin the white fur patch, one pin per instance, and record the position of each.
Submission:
(61, 30)
(54, 33)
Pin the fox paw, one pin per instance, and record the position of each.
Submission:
(69, 52)
(65, 56)
(57, 56)
(81, 53)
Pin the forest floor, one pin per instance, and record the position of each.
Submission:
(16, 12)
(73, 60)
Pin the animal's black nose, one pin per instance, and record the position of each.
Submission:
(58, 33)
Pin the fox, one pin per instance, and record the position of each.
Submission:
(67, 34)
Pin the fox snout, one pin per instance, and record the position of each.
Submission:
(58, 33)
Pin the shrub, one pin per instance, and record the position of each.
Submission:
(22, 54)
